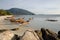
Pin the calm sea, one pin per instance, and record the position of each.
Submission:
(37, 22)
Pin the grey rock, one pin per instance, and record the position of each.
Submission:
(46, 35)
(15, 37)
(39, 33)
(59, 34)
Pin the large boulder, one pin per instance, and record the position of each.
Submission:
(16, 37)
(30, 35)
(7, 35)
(59, 34)
(51, 33)
(48, 35)
(39, 33)
(43, 34)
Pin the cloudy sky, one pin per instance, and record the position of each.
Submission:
(35, 6)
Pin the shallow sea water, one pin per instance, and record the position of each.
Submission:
(37, 22)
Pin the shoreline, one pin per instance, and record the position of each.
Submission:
(2, 17)
(28, 32)
(2, 21)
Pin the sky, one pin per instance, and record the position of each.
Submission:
(35, 6)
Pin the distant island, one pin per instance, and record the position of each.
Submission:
(18, 11)
(15, 11)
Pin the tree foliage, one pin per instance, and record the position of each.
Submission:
(5, 12)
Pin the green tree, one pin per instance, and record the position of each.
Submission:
(5, 12)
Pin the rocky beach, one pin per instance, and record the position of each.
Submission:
(29, 19)
(43, 34)
(7, 33)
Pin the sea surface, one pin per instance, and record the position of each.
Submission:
(37, 22)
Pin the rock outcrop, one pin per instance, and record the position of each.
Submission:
(43, 34)
(46, 34)
(39, 33)
(7, 35)
(30, 35)
(16, 37)
(51, 20)
(59, 34)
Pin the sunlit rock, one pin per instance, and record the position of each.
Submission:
(7, 35)
(30, 35)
